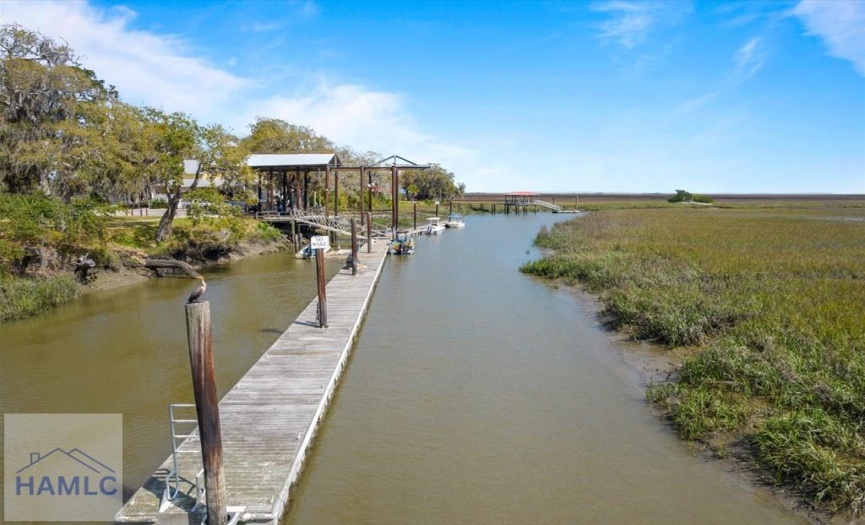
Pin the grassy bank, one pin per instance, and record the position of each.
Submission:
(769, 302)
(40, 239)
(21, 298)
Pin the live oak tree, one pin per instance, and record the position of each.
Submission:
(176, 137)
(435, 183)
(49, 108)
(269, 135)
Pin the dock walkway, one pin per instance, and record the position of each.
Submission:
(270, 416)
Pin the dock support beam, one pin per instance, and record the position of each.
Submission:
(207, 407)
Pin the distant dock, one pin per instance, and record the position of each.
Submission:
(270, 417)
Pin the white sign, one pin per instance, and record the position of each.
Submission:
(319, 242)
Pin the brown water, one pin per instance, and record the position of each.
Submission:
(124, 351)
(475, 394)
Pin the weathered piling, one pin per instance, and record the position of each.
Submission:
(270, 417)
(322, 285)
(200, 338)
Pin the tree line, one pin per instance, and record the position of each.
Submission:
(64, 133)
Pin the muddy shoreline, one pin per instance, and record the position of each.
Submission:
(128, 274)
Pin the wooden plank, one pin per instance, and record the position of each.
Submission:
(269, 418)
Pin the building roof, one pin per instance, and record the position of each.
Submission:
(294, 160)
(190, 167)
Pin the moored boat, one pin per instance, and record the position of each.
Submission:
(402, 245)
(434, 227)
(455, 220)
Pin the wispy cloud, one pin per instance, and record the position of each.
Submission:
(160, 70)
(261, 27)
(749, 59)
(309, 8)
(148, 69)
(841, 25)
(630, 22)
(699, 102)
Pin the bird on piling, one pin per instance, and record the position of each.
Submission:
(198, 292)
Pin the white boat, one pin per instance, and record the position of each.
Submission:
(455, 220)
(434, 227)
(307, 252)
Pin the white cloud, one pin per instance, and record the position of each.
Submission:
(841, 25)
(147, 69)
(750, 58)
(630, 22)
(160, 70)
(261, 27)
(361, 118)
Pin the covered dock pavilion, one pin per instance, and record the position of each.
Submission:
(284, 185)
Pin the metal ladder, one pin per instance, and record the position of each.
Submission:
(172, 479)
(187, 430)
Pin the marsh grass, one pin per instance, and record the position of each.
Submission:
(21, 298)
(771, 303)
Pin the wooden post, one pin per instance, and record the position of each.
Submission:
(360, 195)
(326, 188)
(394, 190)
(369, 194)
(207, 407)
(369, 233)
(414, 219)
(322, 298)
(294, 235)
(335, 193)
(353, 247)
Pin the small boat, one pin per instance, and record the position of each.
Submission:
(455, 220)
(402, 245)
(434, 227)
(306, 252)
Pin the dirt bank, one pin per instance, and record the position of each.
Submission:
(132, 271)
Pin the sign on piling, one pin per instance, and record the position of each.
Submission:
(320, 243)
(207, 407)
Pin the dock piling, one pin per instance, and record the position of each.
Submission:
(207, 408)
(354, 247)
(369, 232)
(322, 284)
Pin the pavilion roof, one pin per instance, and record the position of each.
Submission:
(293, 160)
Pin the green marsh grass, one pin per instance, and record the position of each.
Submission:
(768, 302)
(25, 297)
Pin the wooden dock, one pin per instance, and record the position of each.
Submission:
(269, 418)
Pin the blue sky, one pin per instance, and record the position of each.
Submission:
(595, 96)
